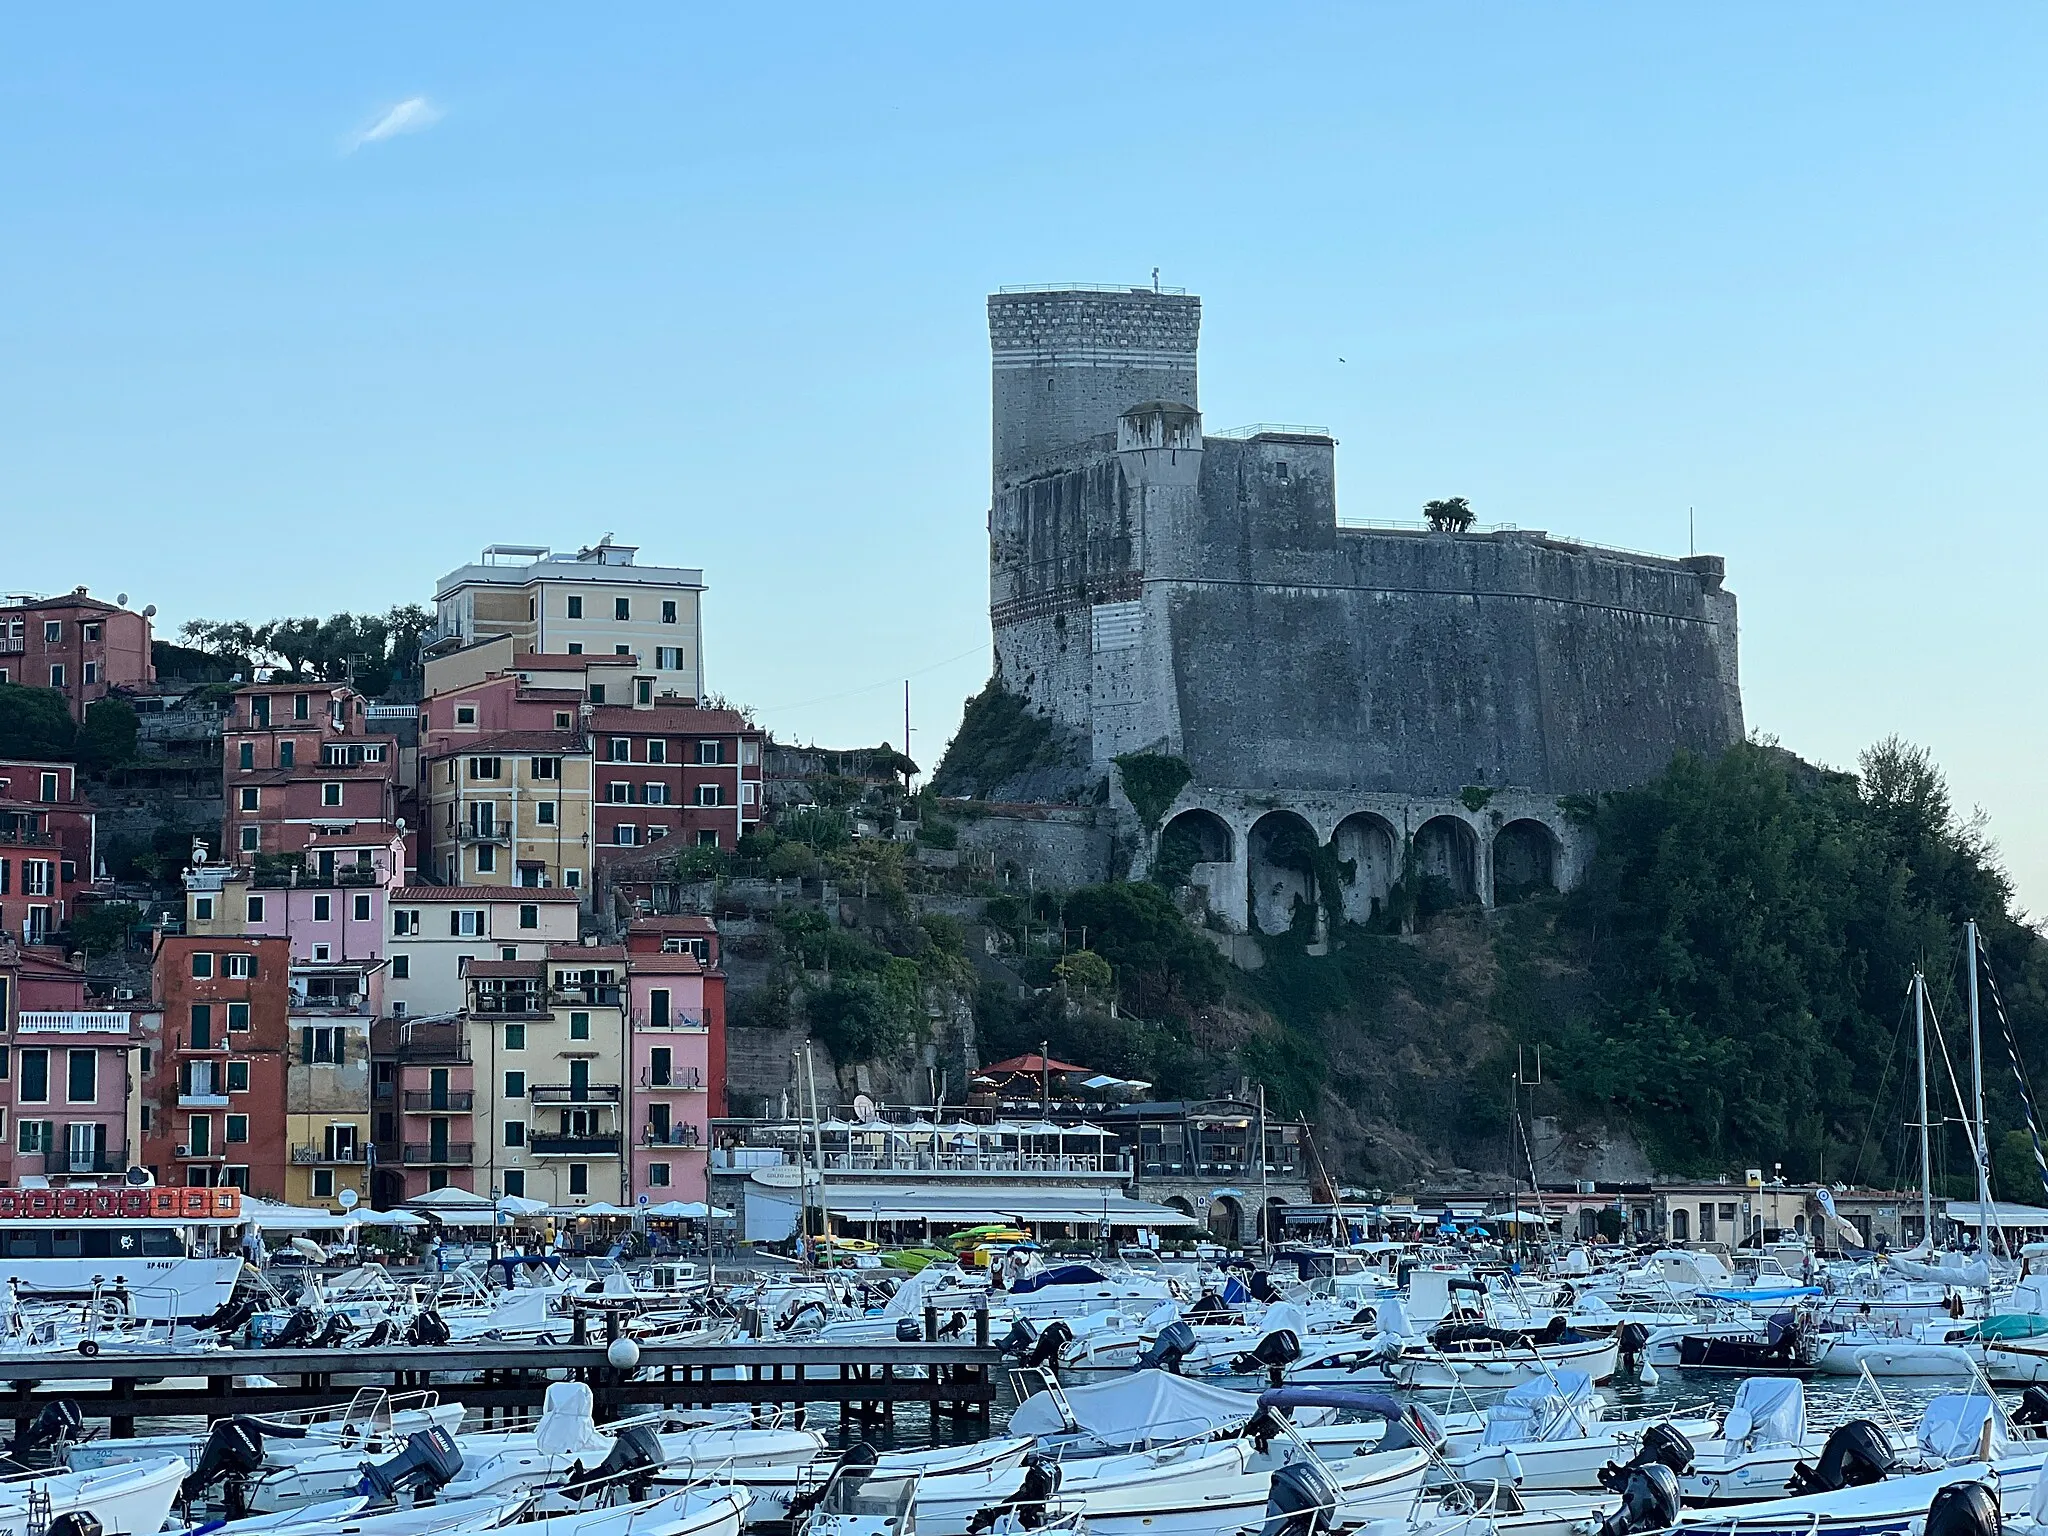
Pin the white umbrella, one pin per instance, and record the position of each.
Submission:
(964, 1128)
(1085, 1129)
(603, 1208)
(448, 1198)
(686, 1210)
(387, 1218)
(520, 1205)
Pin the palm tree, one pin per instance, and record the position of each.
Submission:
(1453, 516)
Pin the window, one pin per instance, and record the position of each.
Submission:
(330, 794)
(529, 915)
(466, 923)
(202, 1026)
(707, 838)
(361, 910)
(573, 879)
(90, 631)
(36, 1135)
(323, 909)
(575, 606)
(90, 672)
(626, 835)
(657, 750)
(563, 720)
(239, 968)
(323, 1183)
(547, 768)
(622, 650)
(322, 952)
(287, 754)
(255, 909)
(711, 753)
(202, 909)
(508, 952)
(619, 792)
(405, 923)
(575, 648)
(619, 749)
(579, 1026)
(57, 675)
(486, 859)
(259, 712)
(657, 1175)
(657, 793)
(53, 631)
(483, 768)
(252, 797)
(300, 709)
(465, 714)
(398, 1008)
(515, 1085)
(515, 1133)
(579, 1178)
(515, 1037)
(668, 658)
(35, 1077)
(1681, 1226)
(668, 611)
(245, 756)
(656, 831)
(401, 967)
(250, 841)
(238, 1127)
(82, 1077)
(661, 1060)
(597, 693)
(515, 1181)
(238, 1017)
(622, 607)
(238, 1077)
(643, 690)
(202, 963)
(544, 813)
(35, 877)
(707, 794)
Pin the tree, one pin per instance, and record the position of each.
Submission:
(107, 739)
(1162, 965)
(1085, 973)
(1452, 516)
(104, 927)
(35, 724)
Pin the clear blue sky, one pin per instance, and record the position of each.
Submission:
(304, 305)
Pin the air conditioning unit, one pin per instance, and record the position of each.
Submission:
(184, 1151)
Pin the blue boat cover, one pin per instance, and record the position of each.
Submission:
(1058, 1274)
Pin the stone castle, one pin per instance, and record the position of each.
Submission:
(1398, 694)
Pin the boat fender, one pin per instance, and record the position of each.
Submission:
(1512, 1465)
(1960, 1509)
(1649, 1502)
(1301, 1502)
(1856, 1455)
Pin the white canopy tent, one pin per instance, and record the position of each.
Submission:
(272, 1216)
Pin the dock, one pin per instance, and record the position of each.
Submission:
(955, 1378)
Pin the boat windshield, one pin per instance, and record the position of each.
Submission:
(872, 1498)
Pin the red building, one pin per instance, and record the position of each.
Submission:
(669, 771)
(75, 644)
(213, 1080)
(66, 1096)
(48, 847)
(304, 775)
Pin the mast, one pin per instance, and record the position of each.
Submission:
(1982, 1145)
(1926, 1165)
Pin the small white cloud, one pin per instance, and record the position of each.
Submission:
(415, 114)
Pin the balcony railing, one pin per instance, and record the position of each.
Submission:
(679, 1080)
(98, 1160)
(341, 876)
(573, 1146)
(509, 1005)
(425, 1154)
(453, 1051)
(677, 1020)
(497, 834)
(572, 1093)
(351, 1004)
(200, 1098)
(203, 1154)
(586, 997)
(215, 1044)
(454, 1102)
(674, 1136)
(317, 1153)
(92, 1022)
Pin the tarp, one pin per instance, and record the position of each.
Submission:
(1559, 1407)
(1952, 1427)
(1058, 1274)
(271, 1216)
(1768, 1410)
(1143, 1407)
(1974, 1274)
(2009, 1325)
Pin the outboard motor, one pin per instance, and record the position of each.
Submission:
(954, 1326)
(231, 1456)
(1017, 1341)
(854, 1464)
(1855, 1456)
(1649, 1502)
(338, 1328)
(1960, 1509)
(76, 1522)
(1029, 1503)
(380, 1335)
(1175, 1343)
(1209, 1308)
(230, 1315)
(634, 1459)
(2033, 1408)
(908, 1331)
(1055, 1337)
(429, 1461)
(42, 1442)
(1278, 1349)
(1662, 1446)
(297, 1329)
(1302, 1501)
(427, 1329)
(1633, 1338)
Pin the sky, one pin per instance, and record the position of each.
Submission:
(302, 306)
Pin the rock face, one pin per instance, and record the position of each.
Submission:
(1156, 589)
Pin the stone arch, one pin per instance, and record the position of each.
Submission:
(1526, 855)
(1447, 847)
(1371, 848)
(1181, 1203)
(1226, 1218)
(1202, 835)
(1277, 882)
(1273, 1220)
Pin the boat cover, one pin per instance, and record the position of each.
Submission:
(1378, 1404)
(1284, 1314)
(1145, 1406)
(1556, 1407)
(1768, 1410)
(567, 1427)
(1952, 1427)
(1058, 1274)
(2009, 1325)
(1971, 1273)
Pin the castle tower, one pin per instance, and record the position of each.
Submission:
(1069, 362)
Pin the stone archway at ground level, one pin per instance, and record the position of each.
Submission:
(1447, 848)
(1368, 853)
(1273, 1220)
(1526, 854)
(1226, 1218)
(1281, 850)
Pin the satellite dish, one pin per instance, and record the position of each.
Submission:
(149, 612)
(121, 598)
(137, 1178)
(348, 1198)
(863, 1108)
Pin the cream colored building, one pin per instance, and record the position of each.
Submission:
(596, 602)
(509, 808)
(434, 928)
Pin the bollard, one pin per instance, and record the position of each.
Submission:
(579, 1327)
(611, 1327)
(931, 1323)
(981, 1324)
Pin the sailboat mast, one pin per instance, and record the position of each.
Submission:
(1926, 1158)
(1983, 1144)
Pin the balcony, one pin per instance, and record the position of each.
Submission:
(428, 1102)
(571, 1093)
(425, 1154)
(95, 1160)
(573, 1146)
(330, 1157)
(681, 1080)
(215, 1044)
(586, 997)
(202, 1097)
(202, 1154)
(674, 1136)
(345, 1004)
(678, 1022)
(342, 876)
(105, 1022)
(496, 835)
(509, 1005)
(433, 1052)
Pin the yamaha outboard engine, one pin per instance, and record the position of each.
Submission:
(297, 1329)
(1053, 1338)
(1964, 1509)
(908, 1331)
(854, 1464)
(428, 1328)
(42, 1443)
(429, 1461)
(231, 1456)
(1662, 1446)
(1018, 1340)
(338, 1328)
(77, 1522)
(1278, 1349)
(230, 1315)
(1302, 1501)
(634, 1459)
(1649, 1502)
(1175, 1343)
(1028, 1503)
(1633, 1338)
(1855, 1456)
(2033, 1408)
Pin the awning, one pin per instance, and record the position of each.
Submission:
(270, 1216)
(961, 1205)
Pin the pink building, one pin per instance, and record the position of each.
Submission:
(68, 1089)
(76, 644)
(669, 1078)
(305, 777)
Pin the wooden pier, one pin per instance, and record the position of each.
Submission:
(956, 1379)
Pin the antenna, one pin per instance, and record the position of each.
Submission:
(1155, 279)
(1692, 546)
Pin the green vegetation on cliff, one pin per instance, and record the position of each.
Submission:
(999, 738)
